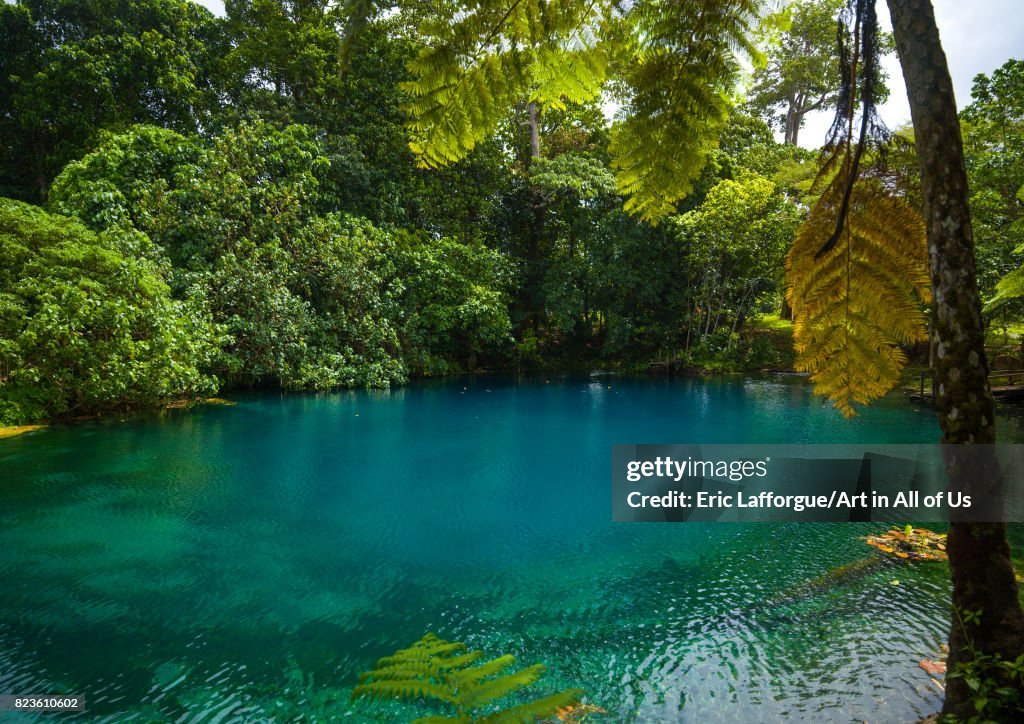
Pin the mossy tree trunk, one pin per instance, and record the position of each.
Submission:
(979, 556)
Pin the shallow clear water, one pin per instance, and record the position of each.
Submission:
(246, 563)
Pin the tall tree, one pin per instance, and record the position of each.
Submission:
(800, 74)
(77, 69)
(979, 556)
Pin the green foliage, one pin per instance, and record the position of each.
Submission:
(449, 673)
(85, 328)
(995, 684)
(993, 130)
(456, 305)
(736, 240)
(235, 219)
(303, 300)
(76, 69)
(678, 71)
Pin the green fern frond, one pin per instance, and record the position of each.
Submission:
(485, 59)
(483, 692)
(427, 647)
(433, 668)
(856, 303)
(402, 689)
(681, 78)
(534, 710)
(660, 148)
(461, 680)
(1008, 288)
(681, 72)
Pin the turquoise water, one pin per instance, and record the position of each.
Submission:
(245, 563)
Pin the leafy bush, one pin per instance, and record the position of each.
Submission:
(85, 327)
(456, 307)
(303, 300)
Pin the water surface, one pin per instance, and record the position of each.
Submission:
(246, 563)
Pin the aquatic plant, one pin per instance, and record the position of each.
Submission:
(448, 672)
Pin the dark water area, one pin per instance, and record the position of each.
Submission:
(245, 563)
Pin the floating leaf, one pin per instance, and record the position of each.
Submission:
(919, 544)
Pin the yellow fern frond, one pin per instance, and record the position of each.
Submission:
(855, 304)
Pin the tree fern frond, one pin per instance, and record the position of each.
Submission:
(466, 678)
(402, 689)
(433, 668)
(680, 81)
(491, 55)
(563, 76)
(856, 303)
(484, 692)
(1008, 288)
(539, 709)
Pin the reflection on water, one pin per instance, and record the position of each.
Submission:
(247, 562)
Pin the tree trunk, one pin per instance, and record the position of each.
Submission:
(534, 132)
(534, 274)
(979, 556)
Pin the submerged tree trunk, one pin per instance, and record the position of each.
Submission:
(979, 556)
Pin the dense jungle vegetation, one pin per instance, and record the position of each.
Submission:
(197, 203)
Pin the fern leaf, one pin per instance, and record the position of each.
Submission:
(460, 680)
(681, 77)
(427, 647)
(402, 689)
(486, 691)
(428, 670)
(682, 71)
(539, 709)
(855, 304)
(479, 63)
(1008, 288)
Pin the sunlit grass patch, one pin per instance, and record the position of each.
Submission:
(18, 430)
